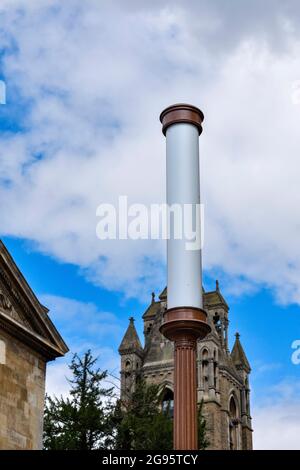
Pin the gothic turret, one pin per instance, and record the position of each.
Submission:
(239, 357)
(131, 353)
(242, 365)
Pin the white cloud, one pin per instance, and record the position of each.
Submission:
(83, 319)
(276, 422)
(84, 327)
(261, 367)
(58, 372)
(56, 379)
(277, 427)
(92, 89)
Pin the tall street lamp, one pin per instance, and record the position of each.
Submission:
(185, 321)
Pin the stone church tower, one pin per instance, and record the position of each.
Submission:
(28, 340)
(223, 376)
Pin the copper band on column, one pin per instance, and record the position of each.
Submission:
(181, 113)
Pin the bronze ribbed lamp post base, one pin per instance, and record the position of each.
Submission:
(184, 325)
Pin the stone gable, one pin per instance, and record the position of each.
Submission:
(28, 340)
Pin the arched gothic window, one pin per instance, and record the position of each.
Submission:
(205, 368)
(215, 370)
(127, 368)
(167, 403)
(233, 424)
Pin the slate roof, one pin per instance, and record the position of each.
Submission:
(238, 355)
(211, 299)
(163, 294)
(130, 340)
(151, 310)
(214, 298)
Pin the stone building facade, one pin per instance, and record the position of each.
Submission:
(28, 340)
(223, 375)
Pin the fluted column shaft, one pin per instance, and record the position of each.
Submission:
(184, 326)
(185, 395)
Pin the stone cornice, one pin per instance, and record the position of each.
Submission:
(130, 351)
(30, 338)
(158, 367)
(229, 373)
(34, 326)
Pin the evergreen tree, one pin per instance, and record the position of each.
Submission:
(139, 423)
(89, 419)
(80, 421)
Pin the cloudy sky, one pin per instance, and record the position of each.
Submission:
(85, 84)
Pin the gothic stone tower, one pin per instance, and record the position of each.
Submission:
(223, 376)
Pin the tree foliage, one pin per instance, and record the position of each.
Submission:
(140, 423)
(80, 421)
(90, 418)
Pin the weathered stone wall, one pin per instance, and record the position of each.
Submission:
(163, 376)
(212, 415)
(247, 438)
(22, 388)
(230, 388)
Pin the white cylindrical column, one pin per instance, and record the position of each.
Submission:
(183, 190)
(184, 321)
